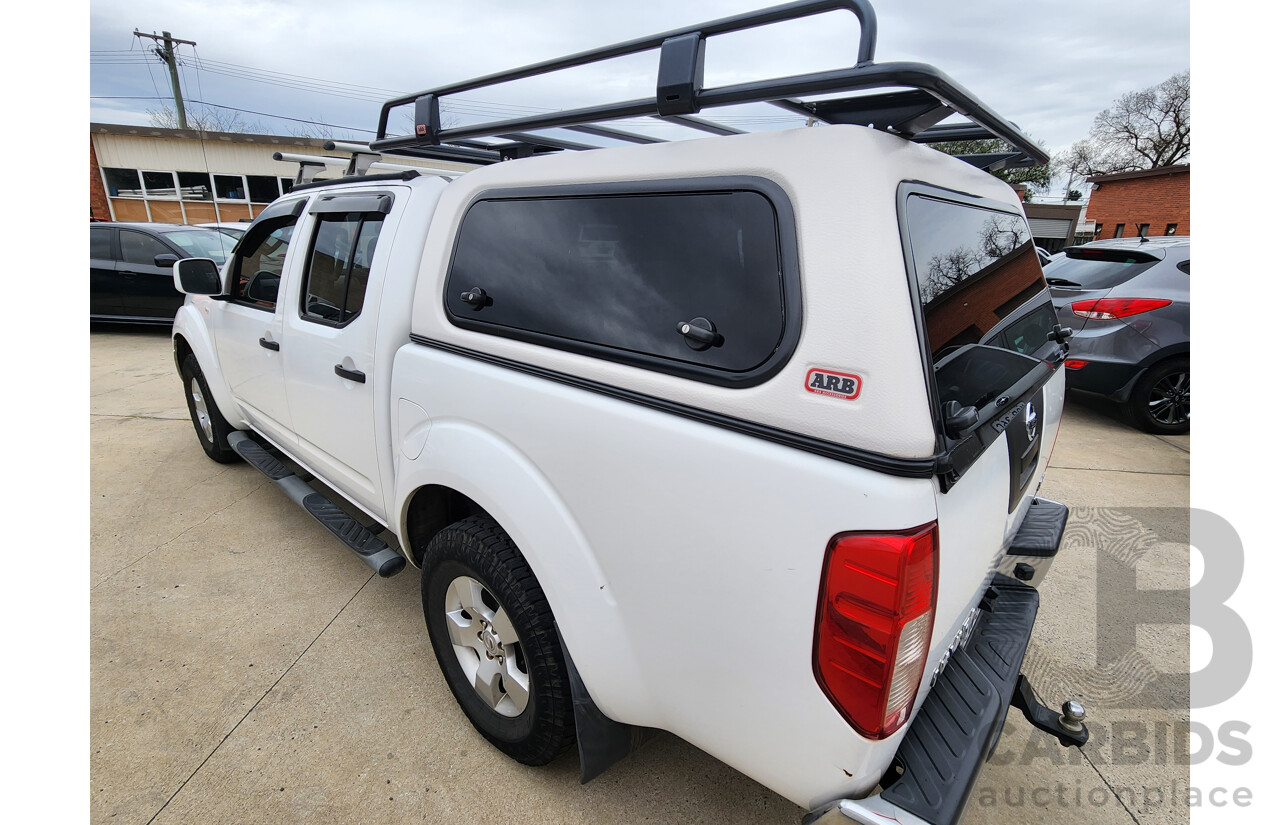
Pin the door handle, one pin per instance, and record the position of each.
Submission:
(271, 345)
(350, 375)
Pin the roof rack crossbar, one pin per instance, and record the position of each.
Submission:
(616, 134)
(790, 11)
(930, 97)
(700, 124)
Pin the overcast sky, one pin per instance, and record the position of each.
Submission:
(1048, 66)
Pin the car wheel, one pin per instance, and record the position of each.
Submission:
(495, 639)
(211, 428)
(1161, 400)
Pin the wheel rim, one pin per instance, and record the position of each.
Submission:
(203, 421)
(487, 646)
(1170, 399)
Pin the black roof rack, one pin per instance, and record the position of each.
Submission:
(923, 97)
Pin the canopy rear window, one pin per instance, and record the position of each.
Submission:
(987, 315)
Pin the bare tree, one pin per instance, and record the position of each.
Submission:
(999, 236)
(206, 120)
(1140, 130)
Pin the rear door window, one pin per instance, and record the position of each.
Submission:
(100, 243)
(338, 270)
(618, 276)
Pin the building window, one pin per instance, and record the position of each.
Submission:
(123, 183)
(1097, 232)
(1143, 229)
(286, 185)
(194, 186)
(1119, 231)
(263, 188)
(229, 187)
(1171, 229)
(159, 184)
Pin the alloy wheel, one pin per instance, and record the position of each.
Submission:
(487, 646)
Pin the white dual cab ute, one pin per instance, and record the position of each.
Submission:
(737, 437)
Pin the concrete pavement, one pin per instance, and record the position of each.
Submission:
(246, 668)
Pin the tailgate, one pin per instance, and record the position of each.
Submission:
(989, 342)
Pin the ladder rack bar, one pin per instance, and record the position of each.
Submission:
(790, 11)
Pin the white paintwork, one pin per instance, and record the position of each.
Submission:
(681, 560)
(856, 301)
(333, 416)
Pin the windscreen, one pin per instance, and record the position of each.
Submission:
(203, 243)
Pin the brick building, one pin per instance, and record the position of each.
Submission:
(145, 173)
(1146, 203)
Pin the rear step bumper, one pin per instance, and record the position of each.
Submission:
(959, 724)
(1035, 545)
(362, 541)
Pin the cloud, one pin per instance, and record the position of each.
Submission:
(1048, 67)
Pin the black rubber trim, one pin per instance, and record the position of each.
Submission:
(960, 722)
(257, 455)
(352, 533)
(1041, 530)
(890, 465)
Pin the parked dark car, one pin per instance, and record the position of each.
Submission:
(1129, 300)
(131, 268)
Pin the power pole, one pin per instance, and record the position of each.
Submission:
(167, 54)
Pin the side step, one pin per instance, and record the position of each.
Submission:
(375, 552)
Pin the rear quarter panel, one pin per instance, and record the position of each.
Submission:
(682, 561)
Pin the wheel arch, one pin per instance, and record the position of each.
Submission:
(191, 337)
(467, 469)
(1155, 359)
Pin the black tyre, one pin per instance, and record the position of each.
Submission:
(1161, 400)
(211, 428)
(496, 642)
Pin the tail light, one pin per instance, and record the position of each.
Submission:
(1108, 309)
(875, 620)
(1075, 363)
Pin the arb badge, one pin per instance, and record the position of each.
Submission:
(835, 384)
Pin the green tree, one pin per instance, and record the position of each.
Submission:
(1035, 177)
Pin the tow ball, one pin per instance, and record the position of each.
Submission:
(1068, 726)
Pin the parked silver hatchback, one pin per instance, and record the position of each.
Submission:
(1129, 300)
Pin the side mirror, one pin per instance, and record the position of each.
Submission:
(263, 286)
(166, 260)
(197, 276)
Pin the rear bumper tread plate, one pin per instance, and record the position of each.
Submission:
(1041, 530)
(957, 727)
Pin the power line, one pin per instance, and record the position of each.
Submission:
(373, 94)
(235, 109)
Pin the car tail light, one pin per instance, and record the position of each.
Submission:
(875, 621)
(1075, 363)
(1107, 309)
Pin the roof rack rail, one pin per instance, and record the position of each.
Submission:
(929, 97)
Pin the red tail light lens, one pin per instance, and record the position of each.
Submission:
(875, 620)
(1075, 363)
(1108, 309)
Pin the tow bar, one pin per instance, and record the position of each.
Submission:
(1067, 726)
